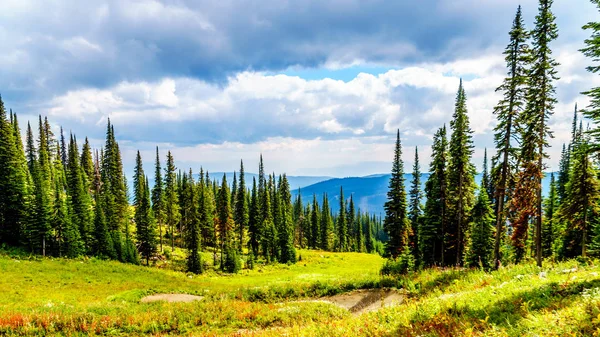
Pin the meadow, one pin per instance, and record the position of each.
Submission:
(87, 296)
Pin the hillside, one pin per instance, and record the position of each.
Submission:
(317, 296)
(369, 192)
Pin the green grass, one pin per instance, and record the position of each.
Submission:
(62, 296)
(88, 296)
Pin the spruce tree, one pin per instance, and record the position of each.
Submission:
(350, 221)
(254, 220)
(315, 242)
(563, 173)
(592, 51)
(144, 221)
(435, 218)
(508, 111)
(549, 229)
(485, 177)
(369, 243)
(414, 211)
(79, 197)
(581, 202)
(241, 208)
(461, 182)
(225, 218)
(540, 106)
(171, 201)
(12, 183)
(342, 230)
(87, 162)
(480, 250)
(158, 199)
(285, 231)
(191, 224)
(396, 224)
(326, 225)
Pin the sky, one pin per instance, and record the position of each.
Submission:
(318, 87)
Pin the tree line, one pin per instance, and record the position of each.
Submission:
(505, 219)
(57, 200)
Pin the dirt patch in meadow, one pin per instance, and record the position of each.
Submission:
(361, 301)
(171, 298)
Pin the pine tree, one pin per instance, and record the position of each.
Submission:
(241, 207)
(315, 220)
(79, 197)
(351, 222)
(414, 211)
(13, 185)
(191, 223)
(461, 182)
(285, 231)
(144, 221)
(479, 252)
(435, 219)
(540, 106)
(592, 50)
(549, 229)
(158, 198)
(171, 201)
(508, 111)
(396, 224)
(342, 234)
(326, 225)
(87, 163)
(254, 220)
(225, 218)
(581, 202)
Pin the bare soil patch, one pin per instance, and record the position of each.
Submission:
(171, 298)
(366, 300)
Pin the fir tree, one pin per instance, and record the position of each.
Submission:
(285, 231)
(254, 220)
(225, 219)
(414, 211)
(144, 221)
(12, 183)
(581, 202)
(592, 50)
(191, 224)
(396, 224)
(87, 163)
(485, 177)
(350, 220)
(342, 230)
(549, 229)
(241, 207)
(540, 106)
(326, 225)
(435, 220)
(461, 183)
(79, 197)
(315, 221)
(171, 199)
(479, 252)
(508, 111)
(158, 198)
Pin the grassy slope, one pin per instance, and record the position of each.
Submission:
(64, 296)
(79, 297)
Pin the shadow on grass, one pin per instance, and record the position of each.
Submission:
(504, 313)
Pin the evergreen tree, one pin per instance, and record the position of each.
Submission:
(285, 231)
(540, 106)
(563, 173)
(581, 202)
(63, 148)
(315, 220)
(479, 252)
(350, 220)
(79, 197)
(369, 244)
(592, 50)
(461, 182)
(158, 198)
(241, 207)
(326, 225)
(87, 162)
(144, 221)
(396, 224)
(435, 219)
(549, 229)
(254, 220)
(485, 177)
(225, 219)
(171, 199)
(414, 211)
(191, 224)
(13, 183)
(342, 230)
(508, 111)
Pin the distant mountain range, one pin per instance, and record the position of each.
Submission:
(294, 181)
(369, 192)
